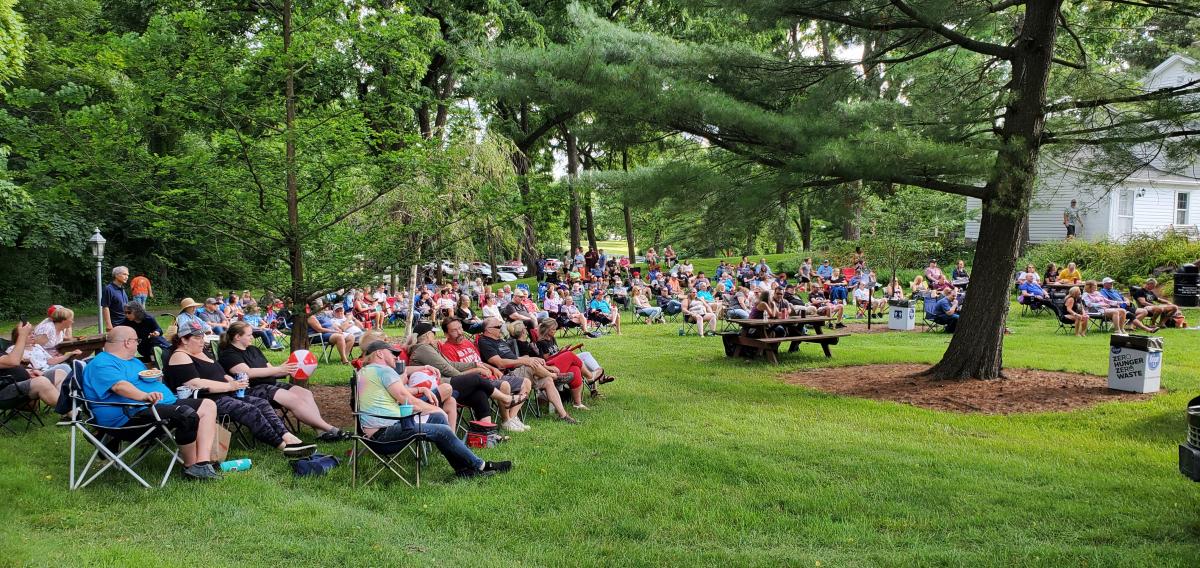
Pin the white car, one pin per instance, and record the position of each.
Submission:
(481, 268)
(506, 276)
(512, 267)
(445, 266)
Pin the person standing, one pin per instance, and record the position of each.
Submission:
(140, 289)
(1071, 219)
(113, 299)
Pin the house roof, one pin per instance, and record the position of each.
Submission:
(1167, 64)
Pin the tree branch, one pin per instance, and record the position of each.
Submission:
(1158, 94)
(995, 50)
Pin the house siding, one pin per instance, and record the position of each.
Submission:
(1054, 191)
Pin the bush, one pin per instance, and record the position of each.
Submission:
(1128, 262)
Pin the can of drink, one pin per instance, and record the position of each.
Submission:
(183, 391)
(241, 393)
(236, 465)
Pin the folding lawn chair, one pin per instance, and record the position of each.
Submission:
(326, 347)
(387, 453)
(19, 411)
(145, 438)
(927, 311)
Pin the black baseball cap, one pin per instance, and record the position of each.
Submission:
(379, 346)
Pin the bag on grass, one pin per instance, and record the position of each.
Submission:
(315, 465)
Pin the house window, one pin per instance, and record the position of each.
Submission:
(1125, 212)
(1182, 200)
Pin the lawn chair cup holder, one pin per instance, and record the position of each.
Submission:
(1135, 363)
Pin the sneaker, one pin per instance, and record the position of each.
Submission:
(472, 472)
(580, 407)
(498, 467)
(524, 427)
(301, 450)
(512, 425)
(593, 334)
(568, 419)
(334, 435)
(202, 471)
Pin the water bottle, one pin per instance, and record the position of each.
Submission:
(236, 465)
(241, 393)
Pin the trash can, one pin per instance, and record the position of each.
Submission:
(1187, 286)
(1135, 363)
(1189, 451)
(901, 315)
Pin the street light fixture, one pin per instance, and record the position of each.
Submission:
(97, 245)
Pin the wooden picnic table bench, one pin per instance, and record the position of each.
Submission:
(757, 334)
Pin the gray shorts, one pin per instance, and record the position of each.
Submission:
(515, 379)
(15, 394)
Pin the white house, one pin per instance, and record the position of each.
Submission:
(1152, 200)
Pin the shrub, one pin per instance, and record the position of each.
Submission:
(1129, 262)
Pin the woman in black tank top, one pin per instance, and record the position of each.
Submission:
(188, 365)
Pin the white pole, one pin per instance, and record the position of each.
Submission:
(100, 295)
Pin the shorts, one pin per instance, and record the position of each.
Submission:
(15, 394)
(325, 337)
(515, 379)
(181, 417)
(1070, 230)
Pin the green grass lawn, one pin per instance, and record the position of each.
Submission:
(693, 459)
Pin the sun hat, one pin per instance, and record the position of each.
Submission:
(188, 303)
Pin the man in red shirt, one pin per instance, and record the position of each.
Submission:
(458, 348)
(140, 289)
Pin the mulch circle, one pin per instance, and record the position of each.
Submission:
(334, 402)
(1024, 390)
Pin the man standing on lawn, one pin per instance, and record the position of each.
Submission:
(1071, 219)
(113, 299)
(140, 289)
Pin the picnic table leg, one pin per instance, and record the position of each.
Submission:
(795, 347)
(772, 356)
(825, 347)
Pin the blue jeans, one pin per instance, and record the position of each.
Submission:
(267, 338)
(737, 313)
(441, 435)
(141, 299)
(838, 293)
(651, 312)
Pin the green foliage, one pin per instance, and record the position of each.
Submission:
(12, 42)
(1131, 261)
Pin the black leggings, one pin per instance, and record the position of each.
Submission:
(473, 391)
(256, 414)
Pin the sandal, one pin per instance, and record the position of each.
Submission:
(606, 378)
(518, 399)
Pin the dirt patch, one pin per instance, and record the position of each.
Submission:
(334, 403)
(1025, 390)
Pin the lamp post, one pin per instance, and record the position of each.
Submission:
(97, 245)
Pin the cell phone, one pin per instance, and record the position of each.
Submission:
(23, 319)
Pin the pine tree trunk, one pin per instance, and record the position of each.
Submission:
(750, 235)
(528, 246)
(625, 210)
(977, 349)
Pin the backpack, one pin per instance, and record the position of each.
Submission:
(1178, 321)
(315, 465)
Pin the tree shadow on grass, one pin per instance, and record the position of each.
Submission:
(1167, 427)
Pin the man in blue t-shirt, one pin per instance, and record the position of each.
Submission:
(113, 299)
(1032, 293)
(113, 376)
(825, 270)
(945, 312)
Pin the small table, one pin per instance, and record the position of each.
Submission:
(88, 345)
(767, 344)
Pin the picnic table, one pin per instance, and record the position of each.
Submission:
(758, 334)
(88, 345)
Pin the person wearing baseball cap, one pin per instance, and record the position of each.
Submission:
(1133, 313)
(381, 391)
(213, 316)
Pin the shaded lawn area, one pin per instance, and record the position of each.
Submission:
(692, 459)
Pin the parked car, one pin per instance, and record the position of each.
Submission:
(513, 267)
(506, 276)
(445, 267)
(482, 269)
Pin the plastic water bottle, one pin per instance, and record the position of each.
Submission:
(236, 465)
(241, 393)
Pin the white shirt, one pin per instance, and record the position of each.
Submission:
(53, 336)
